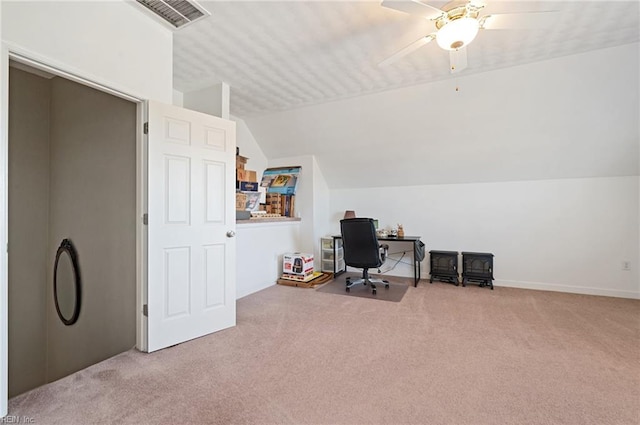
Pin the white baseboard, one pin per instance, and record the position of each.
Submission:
(567, 288)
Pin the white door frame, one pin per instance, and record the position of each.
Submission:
(10, 51)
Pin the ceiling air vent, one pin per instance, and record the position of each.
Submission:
(177, 13)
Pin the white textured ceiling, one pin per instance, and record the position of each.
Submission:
(280, 55)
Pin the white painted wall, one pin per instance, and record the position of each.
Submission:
(249, 147)
(568, 117)
(177, 98)
(321, 209)
(213, 100)
(112, 43)
(260, 247)
(567, 235)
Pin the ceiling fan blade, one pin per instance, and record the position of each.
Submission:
(414, 7)
(409, 49)
(458, 60)
(528, 20)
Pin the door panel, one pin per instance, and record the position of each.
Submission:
(191, 264)
(213, 192)
(214, 275)
(177, 278)
(177, 196)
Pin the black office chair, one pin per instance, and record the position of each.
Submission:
(362, 250)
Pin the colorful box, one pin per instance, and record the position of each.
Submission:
(248, 186)
(297, 264)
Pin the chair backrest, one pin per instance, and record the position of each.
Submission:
(361, 247)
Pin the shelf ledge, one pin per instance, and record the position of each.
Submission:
(270, 220)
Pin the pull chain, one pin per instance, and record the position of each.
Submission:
(453, 68)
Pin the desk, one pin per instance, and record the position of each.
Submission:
(407, 239)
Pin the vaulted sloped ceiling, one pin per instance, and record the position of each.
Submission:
(576, 116)
(533, 104)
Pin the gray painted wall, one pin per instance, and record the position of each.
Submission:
(74, 178)
(28, 228)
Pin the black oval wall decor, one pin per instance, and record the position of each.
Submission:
(67, 292)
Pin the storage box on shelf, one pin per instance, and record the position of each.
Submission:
(332, 255)
(240, 162)
(247, 201)
(247, 186)
(281, 204)
(246, 175)
(247, 195)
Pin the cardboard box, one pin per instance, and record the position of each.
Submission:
(273, 202)
(297, 263)
(271, 209)
(248, 201)
(246, 175)
(241, 201)
(252, 176)
(240, 162)
(317, 278)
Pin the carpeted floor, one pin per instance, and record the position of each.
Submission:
(442, 355)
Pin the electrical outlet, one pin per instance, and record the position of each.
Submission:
(626, 265)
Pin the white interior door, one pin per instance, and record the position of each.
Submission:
(191, 217)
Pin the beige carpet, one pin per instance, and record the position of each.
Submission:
(443, 355)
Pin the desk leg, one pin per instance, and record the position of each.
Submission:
(416, 266)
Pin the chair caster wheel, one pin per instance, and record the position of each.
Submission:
(386, 286)
(374, 292)
(348, 289)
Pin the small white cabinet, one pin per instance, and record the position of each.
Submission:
(332, 254)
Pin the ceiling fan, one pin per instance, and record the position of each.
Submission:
(458, 23)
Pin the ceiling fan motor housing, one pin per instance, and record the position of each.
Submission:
(458, 26)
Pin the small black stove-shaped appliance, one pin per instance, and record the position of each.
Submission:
(444, 266)
(477, 267)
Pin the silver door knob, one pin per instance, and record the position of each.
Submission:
(231, 234)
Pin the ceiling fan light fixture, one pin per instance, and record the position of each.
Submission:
(458, 33)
